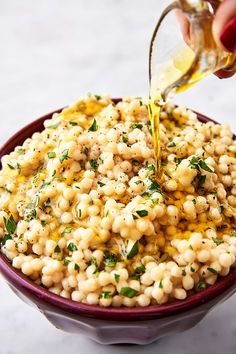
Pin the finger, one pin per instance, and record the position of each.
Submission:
(184, 25)
(224, 26)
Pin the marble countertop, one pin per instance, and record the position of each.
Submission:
(52, 52)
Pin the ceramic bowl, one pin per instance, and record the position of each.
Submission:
(112, 325)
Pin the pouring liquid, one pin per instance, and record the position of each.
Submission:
(164, 75)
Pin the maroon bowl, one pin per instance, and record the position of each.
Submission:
(112, 325)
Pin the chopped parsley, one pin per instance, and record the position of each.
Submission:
(172, 144)
(20, 151)
(233, 233)
(101, 184)
(98, 97)
(54, 126)
(10, 225)
(142, 213)
(51, 155)
(138, 272)
(212, 270)
(86, 151)
(136, 126)
(125, 139)
(201, 286)
(117, 277)
(76, 267)
(64, 156)
(134, 251)
(178, 160)
(5, 238)
(204, 166)
(153, 188)
(110, 259)
(94, 164)
(105, 295)
(67, 230)
(217, 241)
(150, 168)
(95, 263)
(94, 126)
(128, 292)
(196, 163)
(57, 249)
(72, 247)
(73, 123)
(66, 261)
(10, 166)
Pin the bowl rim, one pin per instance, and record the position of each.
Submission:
(42, 295)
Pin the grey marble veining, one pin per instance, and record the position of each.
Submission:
(52, 51)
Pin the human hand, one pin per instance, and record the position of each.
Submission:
(224, 31)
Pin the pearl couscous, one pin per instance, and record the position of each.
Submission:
(82, 214)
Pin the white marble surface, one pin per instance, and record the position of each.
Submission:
(51, 52)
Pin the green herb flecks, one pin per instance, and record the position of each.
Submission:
(72, 247)
(150, 168)
(64, 156)
(201, 286)
(86, 151)
(117, 277)
(76, 267)
(172, 144)
(212, 270)
(67, 230)
(105, 295)
(138, 272)
(57, 249)
(73, 123)
(136, 126)
(197, 163)
(153, 188)
(94, 164)
(128, 292)
(51, 155)
(110, 259)
(94, 126)
(142, 213)
(101, 184)
(133, 251)
(10, 227)
(217, 241)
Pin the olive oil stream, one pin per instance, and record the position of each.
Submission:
(179, 73)
(165, 74)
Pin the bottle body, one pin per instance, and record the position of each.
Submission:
(199, 54)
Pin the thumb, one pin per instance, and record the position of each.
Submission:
(224, 25)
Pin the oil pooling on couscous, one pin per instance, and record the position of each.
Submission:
(82, 214)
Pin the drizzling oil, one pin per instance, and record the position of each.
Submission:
(187, 65)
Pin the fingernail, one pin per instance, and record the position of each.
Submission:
(228, 35)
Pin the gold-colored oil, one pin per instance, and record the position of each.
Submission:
(165, 74)
(184, 68)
